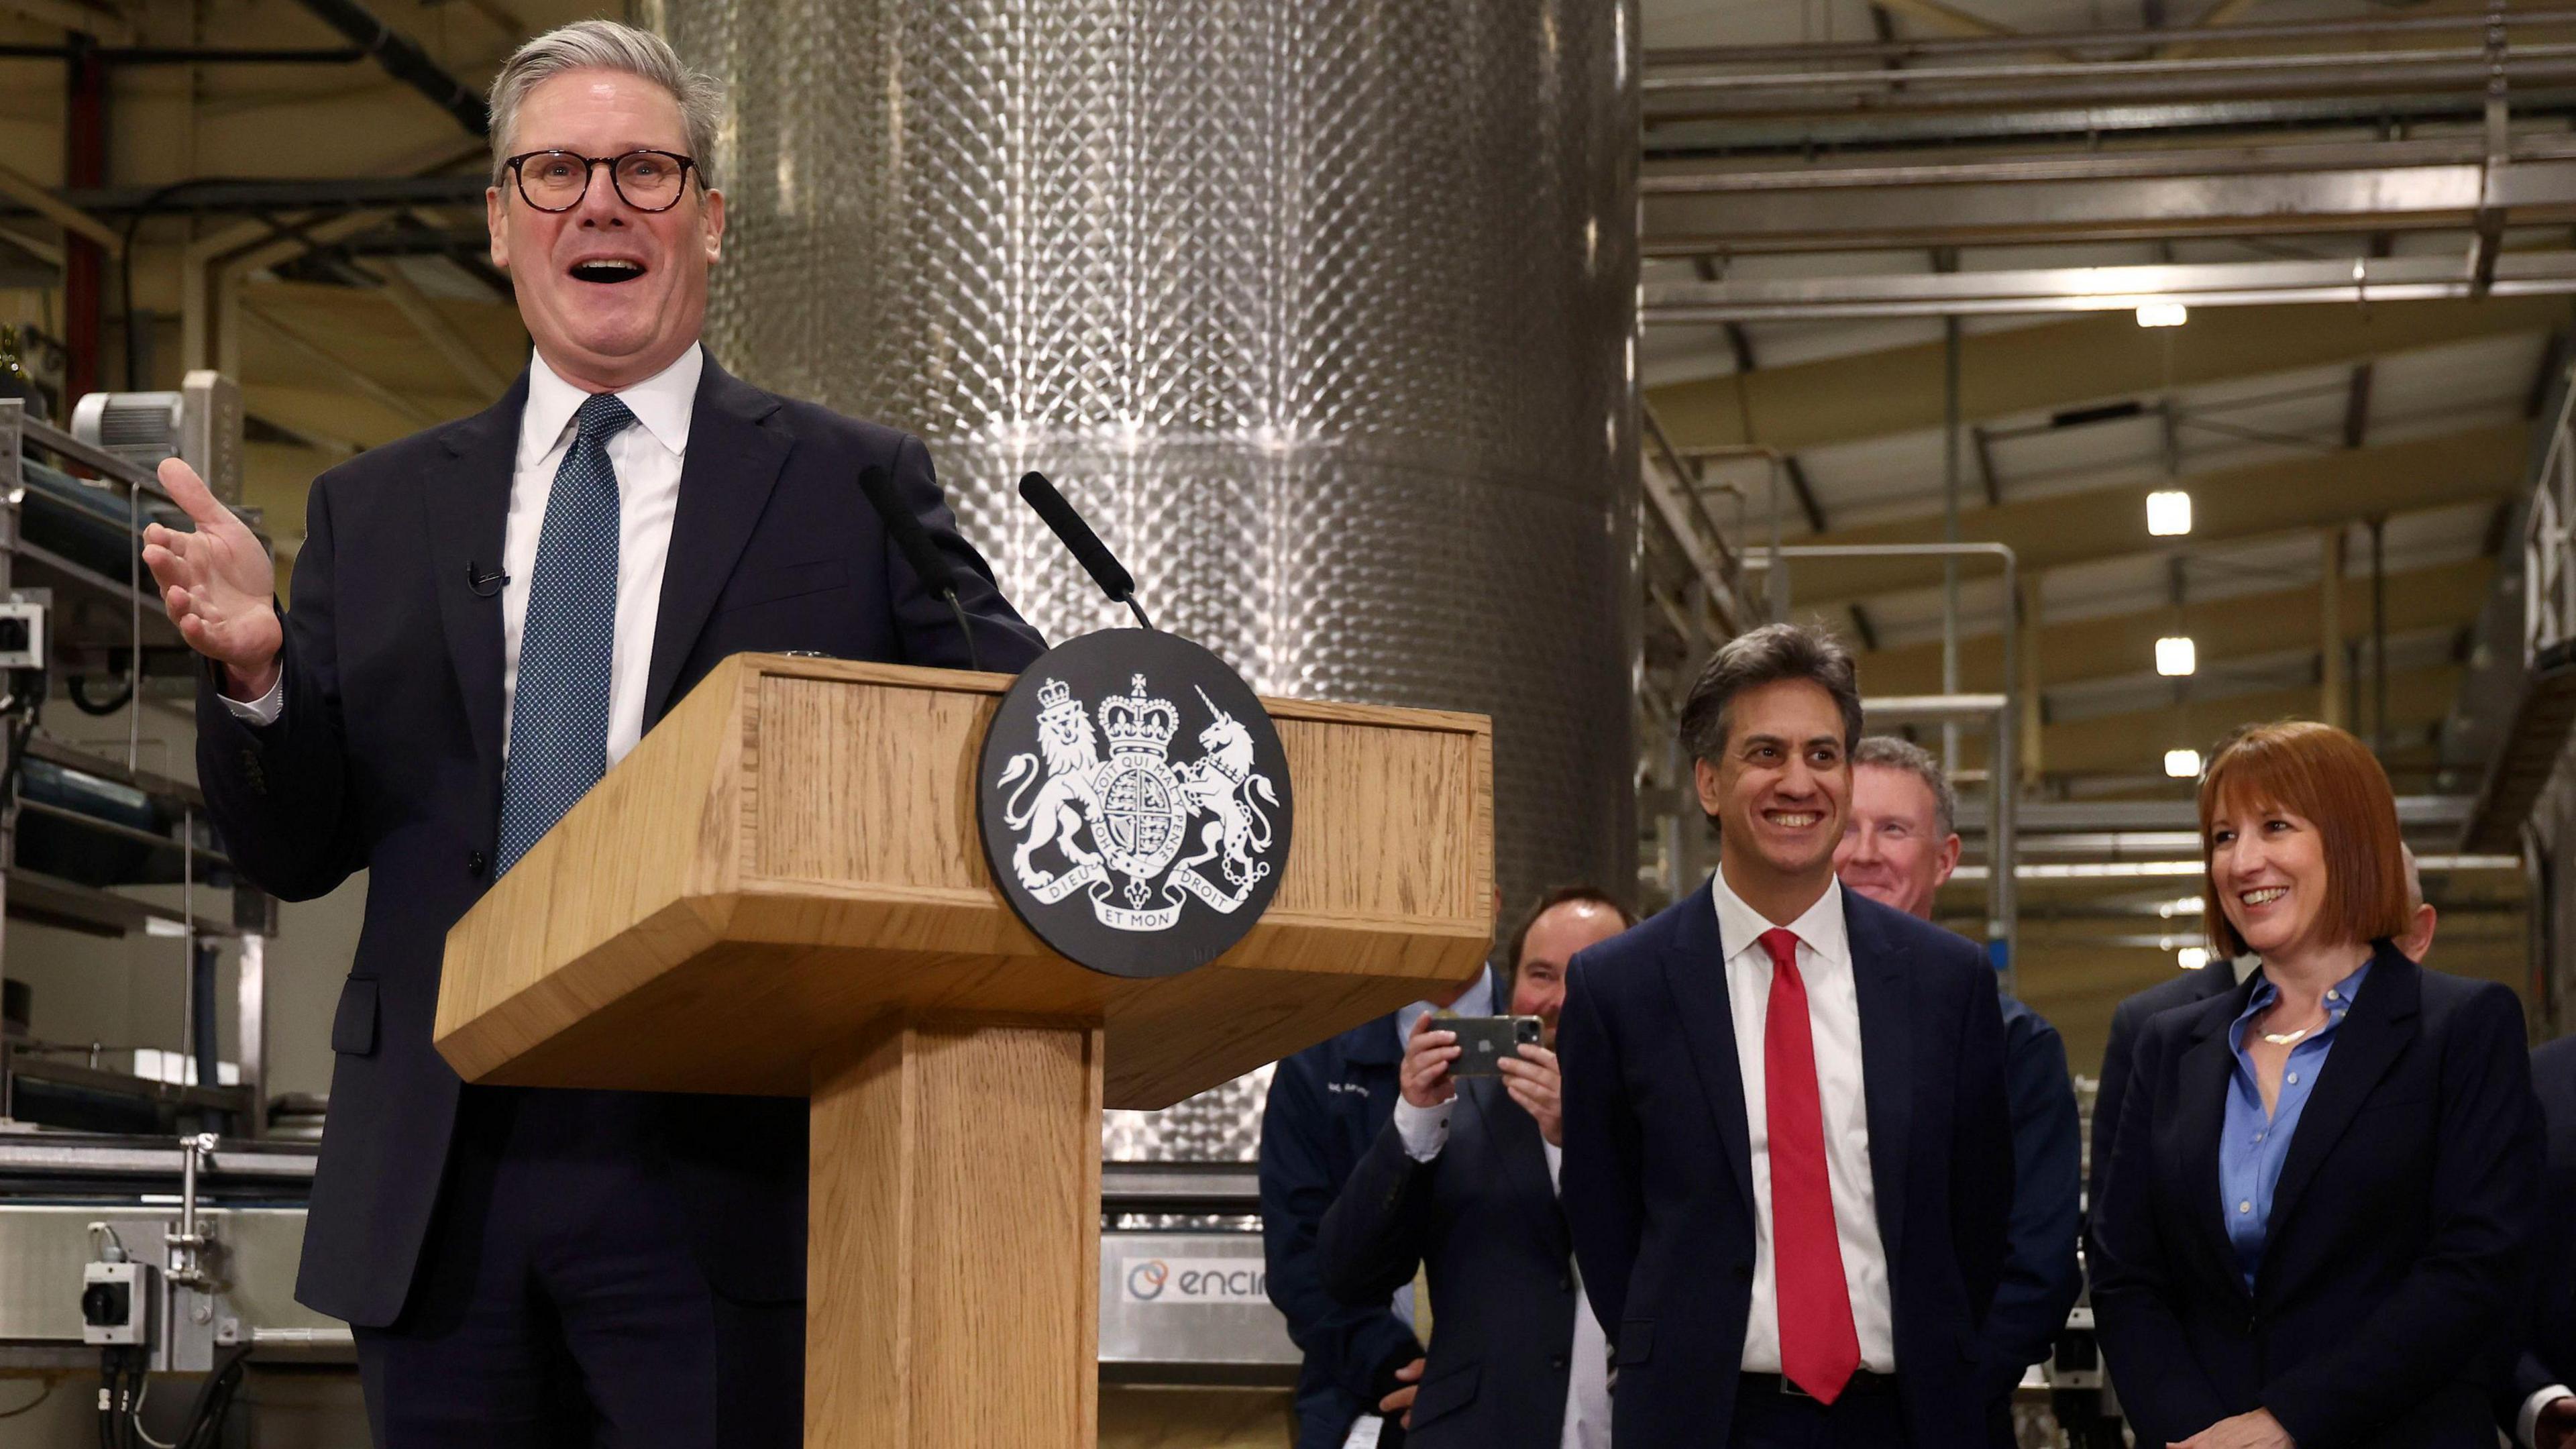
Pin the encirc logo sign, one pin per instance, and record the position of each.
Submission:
(1195, 1281)
(1146, 1277)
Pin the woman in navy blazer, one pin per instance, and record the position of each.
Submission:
(2313, 1230)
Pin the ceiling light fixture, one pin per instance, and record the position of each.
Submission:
(2162, 314)
(2192, 958)
(2175, 657)
(2182, 764)
(2168, 513)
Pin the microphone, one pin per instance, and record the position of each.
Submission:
(484, 585)
(1083, 544)
(932, 567)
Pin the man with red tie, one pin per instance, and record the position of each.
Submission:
(1788, 1157)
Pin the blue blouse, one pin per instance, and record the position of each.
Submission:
(2252, 1148)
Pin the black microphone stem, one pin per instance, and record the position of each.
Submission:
(974, 660)
(1136, 609)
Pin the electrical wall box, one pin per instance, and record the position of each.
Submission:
(117, 1303)
(22, 634)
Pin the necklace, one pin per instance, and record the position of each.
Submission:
(2287, 1038)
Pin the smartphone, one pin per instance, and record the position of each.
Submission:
(1484, 1041)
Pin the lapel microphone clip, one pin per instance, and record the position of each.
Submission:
(484, 585)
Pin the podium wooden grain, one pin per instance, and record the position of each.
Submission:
(781, 891)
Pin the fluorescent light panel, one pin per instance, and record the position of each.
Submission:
(2183, 764)
(2162, 314)
(2168, 513)
(2175, 657)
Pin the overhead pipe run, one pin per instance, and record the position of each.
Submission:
(405, 61)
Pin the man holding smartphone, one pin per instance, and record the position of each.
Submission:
(1469, 1194)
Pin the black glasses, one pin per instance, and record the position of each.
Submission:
(558, 180)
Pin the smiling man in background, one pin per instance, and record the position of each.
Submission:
(1902, 842)
(537, 585)
(1788, 1160)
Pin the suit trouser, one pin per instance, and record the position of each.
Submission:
(1769, 1419)
(558, 1302)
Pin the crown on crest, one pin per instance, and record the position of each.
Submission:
(1134, 722)
(1054, 695)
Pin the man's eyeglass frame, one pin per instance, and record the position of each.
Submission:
(590, 164)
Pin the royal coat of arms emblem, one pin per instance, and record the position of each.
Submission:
(1101, 832)
(1138, 809)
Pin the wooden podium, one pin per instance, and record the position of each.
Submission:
(781, 891)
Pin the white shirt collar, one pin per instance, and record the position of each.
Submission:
(1821, 929)
(662, 404)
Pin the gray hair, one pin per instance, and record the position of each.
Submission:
(1767, 655)
(607, 45)
(1890, 752)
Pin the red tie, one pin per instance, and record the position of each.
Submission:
(1819, 1348)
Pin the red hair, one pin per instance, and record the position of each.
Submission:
(2332, 780)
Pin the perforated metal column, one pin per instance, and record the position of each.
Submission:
(1324, 312)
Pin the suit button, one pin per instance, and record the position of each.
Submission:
(474, 863)
(1557, 1363)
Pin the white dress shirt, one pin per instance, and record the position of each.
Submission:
(2526, 1425)
(1833, 1019)
(647, 457)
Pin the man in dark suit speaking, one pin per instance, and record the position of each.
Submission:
(1788, 1159)
(535, 586)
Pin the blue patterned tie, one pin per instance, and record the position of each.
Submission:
(559, 715)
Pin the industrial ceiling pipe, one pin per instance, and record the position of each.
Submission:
(405, 61)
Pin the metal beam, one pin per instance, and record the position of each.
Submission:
(404, 60)
(2098, 289)
(107, 26)
(1947, 17)
(375, 391)
(34, 197)
(2210, 191)
(2464, 23)
(2137, 741)
(320, 193)
(1986, 474)
(437, 331)
(2299, 493)
(2356, 407)
(2225, 629)
(2034, 369)
(1671, 139)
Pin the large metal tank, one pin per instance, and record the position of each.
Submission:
(1323, 312)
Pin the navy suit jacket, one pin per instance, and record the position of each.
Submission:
(1482, 1220)
(1658, 1176)
(2548, 1353)
(387, 759)
(2392, 1274)
(2184, 988)
(1326, 1105)
(2041, 1278)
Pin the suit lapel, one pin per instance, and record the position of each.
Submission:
(2202, 1081)
(1883, 982)
(468, 508)
(736, 449)
(2375, 1030)
(1695, 976)
(1515, 1137)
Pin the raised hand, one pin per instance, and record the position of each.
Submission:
(1533, 1080)
(218, 585)
(1424, 1075)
